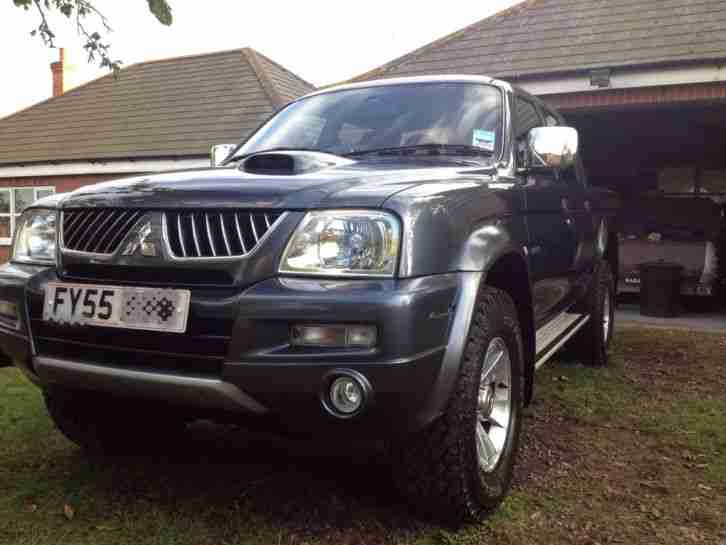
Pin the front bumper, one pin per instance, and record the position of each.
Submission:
(15, 341)
(235, 359)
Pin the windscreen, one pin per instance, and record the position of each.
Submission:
(380, 117)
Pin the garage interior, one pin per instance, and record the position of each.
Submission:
(668, 163)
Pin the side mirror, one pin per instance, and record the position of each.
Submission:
(552, 147)
(220, 152)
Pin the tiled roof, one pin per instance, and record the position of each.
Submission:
(285, 84)
(558, 36)
(175, 107)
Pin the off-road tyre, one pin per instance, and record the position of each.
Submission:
(437, 470)
(590, 345)
(105, 425)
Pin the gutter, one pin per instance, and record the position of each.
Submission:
(624, 77)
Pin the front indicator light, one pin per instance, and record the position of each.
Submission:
(334, 336)
(361, 336)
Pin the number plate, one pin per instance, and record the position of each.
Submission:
(152, 309)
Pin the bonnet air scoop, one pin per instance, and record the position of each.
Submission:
(290, 163)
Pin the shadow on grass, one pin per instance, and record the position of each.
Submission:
(223, 477)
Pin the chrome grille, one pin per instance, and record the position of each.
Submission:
(216, 233)
(97, 230)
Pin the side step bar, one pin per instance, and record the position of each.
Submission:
(551, 337)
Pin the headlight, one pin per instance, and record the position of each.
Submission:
(35, 236)
(344, 243)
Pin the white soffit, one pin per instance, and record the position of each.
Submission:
(625, 79)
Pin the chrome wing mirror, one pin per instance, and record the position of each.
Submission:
(552, 147)
(220, 152)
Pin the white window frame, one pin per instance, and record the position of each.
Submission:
(6, 241)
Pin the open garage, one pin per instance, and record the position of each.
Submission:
(663, 150)
(644, 82)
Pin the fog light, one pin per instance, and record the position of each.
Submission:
(334, 336)
(346, 395)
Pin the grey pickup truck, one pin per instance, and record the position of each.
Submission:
(389, 260)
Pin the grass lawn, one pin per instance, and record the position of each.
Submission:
(632, 454)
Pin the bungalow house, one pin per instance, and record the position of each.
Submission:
(155, 116)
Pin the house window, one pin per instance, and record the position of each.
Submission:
(13, 200)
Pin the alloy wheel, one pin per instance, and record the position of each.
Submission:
(606, 320)
(494, 405)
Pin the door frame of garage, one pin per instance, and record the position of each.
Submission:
(667, 94)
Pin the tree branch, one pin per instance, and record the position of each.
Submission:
(94, 46)
(43, 28)
(81, 10)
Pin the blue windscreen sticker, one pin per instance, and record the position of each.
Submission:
(484, 139)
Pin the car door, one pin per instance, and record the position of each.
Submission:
(552, 211)
(579, 210)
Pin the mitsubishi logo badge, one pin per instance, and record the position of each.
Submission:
(141, 242)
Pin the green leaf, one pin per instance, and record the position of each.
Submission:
(161, 10)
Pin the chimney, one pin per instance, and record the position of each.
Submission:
(57, 68)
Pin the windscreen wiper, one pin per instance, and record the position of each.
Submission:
(433, 149)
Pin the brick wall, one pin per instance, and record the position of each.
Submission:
(62, 184)
(670, 94)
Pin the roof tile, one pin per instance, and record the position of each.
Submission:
(558, 36)
(175, 107)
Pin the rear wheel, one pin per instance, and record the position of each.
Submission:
(460, 468)
(101, 424)
(721, 265)
(591, 343)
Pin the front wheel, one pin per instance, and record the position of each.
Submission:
(460, 468)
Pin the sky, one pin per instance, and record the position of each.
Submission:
(321, 41)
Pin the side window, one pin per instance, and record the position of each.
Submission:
(526, 117)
